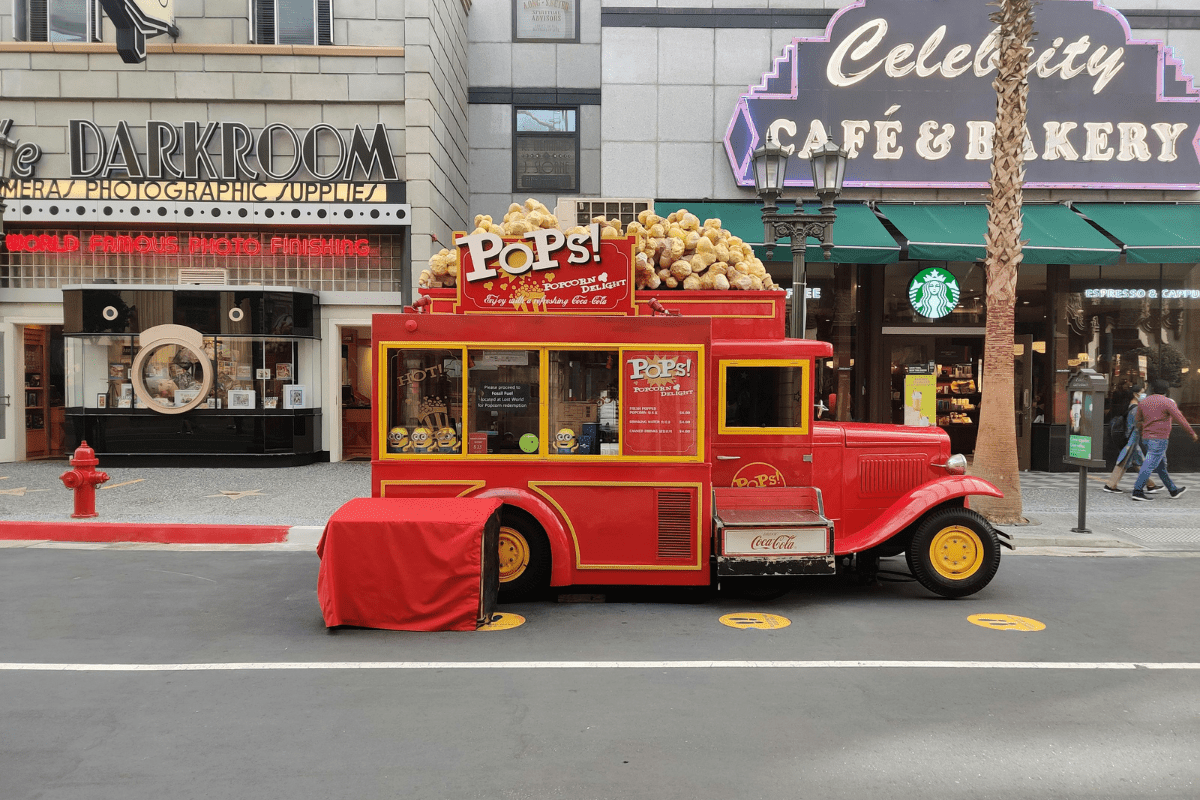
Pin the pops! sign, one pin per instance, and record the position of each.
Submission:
(546, 271)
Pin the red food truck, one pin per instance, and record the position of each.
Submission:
(663, 438)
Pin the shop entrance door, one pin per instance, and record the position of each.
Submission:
(1023, 400)
(356, 392)
(959, 360)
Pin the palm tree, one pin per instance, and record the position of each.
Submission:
(996, 450)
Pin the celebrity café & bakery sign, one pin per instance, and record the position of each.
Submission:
(905, 86)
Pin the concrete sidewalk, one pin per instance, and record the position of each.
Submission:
(295, 502)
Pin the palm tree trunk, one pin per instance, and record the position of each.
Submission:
(996, 448)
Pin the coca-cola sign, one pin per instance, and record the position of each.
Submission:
(776, 542)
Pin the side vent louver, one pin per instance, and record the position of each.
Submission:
(890, 475)
(676, 524)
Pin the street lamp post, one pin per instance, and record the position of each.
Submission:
(828, 169)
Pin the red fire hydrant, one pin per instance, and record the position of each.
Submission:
(83, 480)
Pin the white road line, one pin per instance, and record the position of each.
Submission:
(494, 665)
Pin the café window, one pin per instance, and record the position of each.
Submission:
(56, 20)
(934, 293)
(545, 150)
(545, 20)
(764, 397)
(424, 412)
(504, 402)
(291, 21)
(585, 403)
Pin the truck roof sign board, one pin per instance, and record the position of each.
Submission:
(545, 272)
(906, 87)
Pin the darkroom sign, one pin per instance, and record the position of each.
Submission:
(906, 87)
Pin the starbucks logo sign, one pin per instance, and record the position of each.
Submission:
(933, 293)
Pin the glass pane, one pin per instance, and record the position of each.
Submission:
(172, 374)
(581, 383)
(235, 373)
(424, 401)
(764, 397)
(545, 120)
(505, 397)
(68, 20)
(294, 22)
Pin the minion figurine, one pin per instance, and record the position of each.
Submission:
(421, 440)
(565, 442)
(447, 440)
(397, 440)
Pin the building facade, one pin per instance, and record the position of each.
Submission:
(666, 101)
(264, 180)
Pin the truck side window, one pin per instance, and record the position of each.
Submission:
(758, 397)
(585, 403)
(424, 401)
(504, 397)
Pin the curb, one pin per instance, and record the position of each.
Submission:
(159, 533)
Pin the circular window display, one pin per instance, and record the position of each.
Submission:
(172, 376)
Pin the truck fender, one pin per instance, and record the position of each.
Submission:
(561, 551)
(910, 507)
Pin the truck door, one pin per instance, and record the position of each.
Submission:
(763, 422)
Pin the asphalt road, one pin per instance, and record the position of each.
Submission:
(385, 722)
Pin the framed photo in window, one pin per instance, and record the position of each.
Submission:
(125, 399)
(293, 396)
(545, 20)
(185, 396)
(283, 372)
(102, 400)
(270, 402)
(242, 399)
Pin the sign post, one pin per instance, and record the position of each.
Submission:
(1085, 430)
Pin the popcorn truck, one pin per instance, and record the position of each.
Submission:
(652, 437)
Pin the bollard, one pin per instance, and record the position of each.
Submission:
(83, 480)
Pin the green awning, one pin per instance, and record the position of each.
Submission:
(858, 235)
(1153, 233)
(1056, 234)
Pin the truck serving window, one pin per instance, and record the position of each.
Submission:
(584, 403)
(504, 397)
(424, 413)
(765, 397)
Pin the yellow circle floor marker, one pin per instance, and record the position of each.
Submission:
(502, 622)
(755, 619)
(1006, 622)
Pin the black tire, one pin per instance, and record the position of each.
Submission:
(954, 552)
(524, 556)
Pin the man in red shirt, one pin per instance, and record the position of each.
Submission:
(1154, 416)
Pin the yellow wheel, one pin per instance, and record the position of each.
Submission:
(954, 552)
(524, 556)
(514, 554)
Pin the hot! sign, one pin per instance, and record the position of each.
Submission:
(546, 271)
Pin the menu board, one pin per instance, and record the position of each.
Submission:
(660, 391)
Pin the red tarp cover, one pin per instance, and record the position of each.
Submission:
(409, 564)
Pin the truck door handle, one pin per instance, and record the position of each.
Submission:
(728, 458)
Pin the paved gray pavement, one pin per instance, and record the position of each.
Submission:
(306, 496)
(1100, 705)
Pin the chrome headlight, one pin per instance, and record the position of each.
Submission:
(955, 464)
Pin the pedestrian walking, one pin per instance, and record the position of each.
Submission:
(1153, 420)
(1131, 454)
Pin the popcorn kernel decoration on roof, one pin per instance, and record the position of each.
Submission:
(676, 251)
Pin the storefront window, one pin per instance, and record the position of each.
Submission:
(585, 403)
(545, 150)
(425, 401)
(1136, 325)
(946, 293)
(504, 392)
(762, 397)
